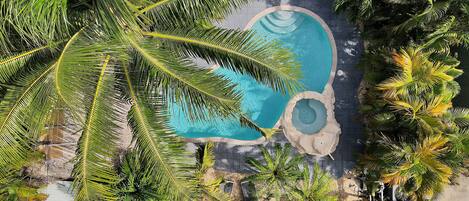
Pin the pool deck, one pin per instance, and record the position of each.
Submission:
(231, 158)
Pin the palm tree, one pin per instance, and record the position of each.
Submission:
(451, 32)
(433, 11)
(276, 174)
(357, 10)
(418, 76)
(449, 22)
(434, 24)
(457, 118)
(418, 169)
(208, 181)
(97, 56)
(425, 113)
(135, 179)
(315, 186)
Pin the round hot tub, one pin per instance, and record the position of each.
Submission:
(309, 116)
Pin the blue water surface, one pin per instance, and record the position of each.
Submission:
(305, 37)
(309, 116)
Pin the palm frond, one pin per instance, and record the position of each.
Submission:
(93, 171)
(315, 185)
(160, 147)
(207, 157)
(419, 76)
(36, 22)
(357, 10)
(83, 56)
(411, 165)
(135, 178)
(116, 18)
(276, 173)
(213, 192)
(209, 183)
(365, 7)
(186, 13)
(267, 133)
(23, 110)
(12, 64)
(460, 116)
(240, 51)
(201, 93)
(434, 11)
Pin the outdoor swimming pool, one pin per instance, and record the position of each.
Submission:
(298, 31)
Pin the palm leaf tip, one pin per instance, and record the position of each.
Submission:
(190, 12)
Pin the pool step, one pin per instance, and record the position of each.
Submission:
(282, 22)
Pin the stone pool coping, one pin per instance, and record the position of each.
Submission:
(251, 22)
(320, 143)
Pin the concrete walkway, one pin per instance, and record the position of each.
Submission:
(456, 192)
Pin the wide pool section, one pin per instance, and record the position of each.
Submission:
(304, 36)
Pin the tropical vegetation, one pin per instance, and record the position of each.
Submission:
(19, 185)
(105, 60)
(283, 175)
(417, 141)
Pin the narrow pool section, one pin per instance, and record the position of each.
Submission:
(304, 36)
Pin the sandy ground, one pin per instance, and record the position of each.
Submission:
(456, 192)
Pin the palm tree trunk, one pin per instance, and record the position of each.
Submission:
(394, 188)
(237, 192)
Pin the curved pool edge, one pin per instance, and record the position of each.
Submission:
(249, 25)
(322, 142)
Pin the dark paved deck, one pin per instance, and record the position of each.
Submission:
(349, 47)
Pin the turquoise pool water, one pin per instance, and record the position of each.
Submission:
(309, 116)
(297, 31)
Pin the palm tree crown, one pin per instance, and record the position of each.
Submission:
(317, 185)
(418, 76)
(277, 173)
(97, 56)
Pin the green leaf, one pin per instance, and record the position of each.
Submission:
(36, 22)
(241, 51)
(201, 93)
(12, 64)
(82, 57)
(433, 12)
(171, 167)
(93, 171)
(22, 113)
(186, 13)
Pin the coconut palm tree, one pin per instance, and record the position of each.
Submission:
(276, 174)
(98, 56)
(317, 185)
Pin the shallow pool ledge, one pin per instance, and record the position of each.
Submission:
(325, 141)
